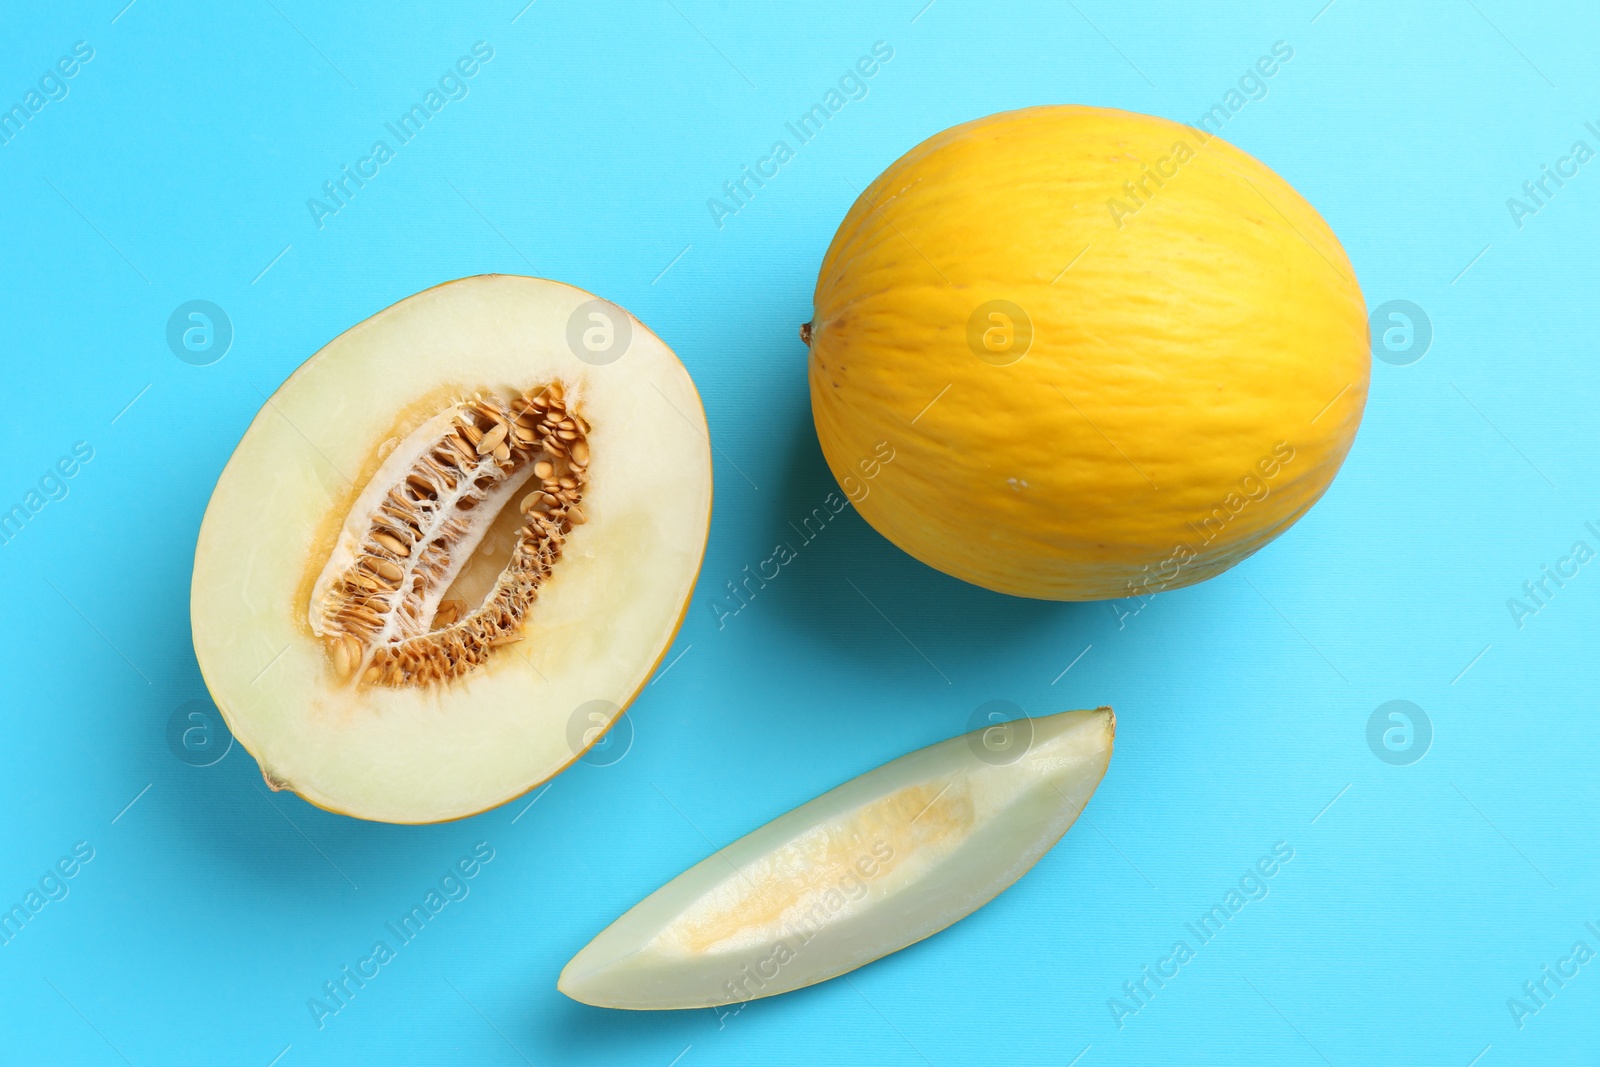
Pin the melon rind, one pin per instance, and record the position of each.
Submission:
(874, 865)
(602, 621)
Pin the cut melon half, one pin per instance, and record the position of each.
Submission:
(451, 548)
(864, 870)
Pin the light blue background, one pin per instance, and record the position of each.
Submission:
(1415, 905)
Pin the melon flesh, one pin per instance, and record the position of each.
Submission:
(288, 514)
(875, 865)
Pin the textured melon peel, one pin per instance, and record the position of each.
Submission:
(1187, 335)
(421, 746)
(864, 870)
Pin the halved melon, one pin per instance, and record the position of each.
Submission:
(449, 537)
(864, 870)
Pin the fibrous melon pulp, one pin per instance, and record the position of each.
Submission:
(451, 548)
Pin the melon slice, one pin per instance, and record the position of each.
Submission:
(452, 548)
(864, 870)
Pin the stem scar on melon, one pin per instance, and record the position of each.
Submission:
(449, 536)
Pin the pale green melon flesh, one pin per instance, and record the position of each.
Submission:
(600, 624)
(862, 871)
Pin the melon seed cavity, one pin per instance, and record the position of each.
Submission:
(379, 605)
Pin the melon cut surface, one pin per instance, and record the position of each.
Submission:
(451, 548)
(864, 870)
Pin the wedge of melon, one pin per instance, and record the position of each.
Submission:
(451, 548)
(864, 870)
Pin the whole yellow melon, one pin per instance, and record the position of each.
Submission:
(1104, 353)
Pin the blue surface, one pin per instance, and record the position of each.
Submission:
(1422, 893)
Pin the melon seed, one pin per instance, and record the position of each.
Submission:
(346, 654)
(488, 441)
(392, 543)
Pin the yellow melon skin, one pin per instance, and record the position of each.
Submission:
(1197, 368)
